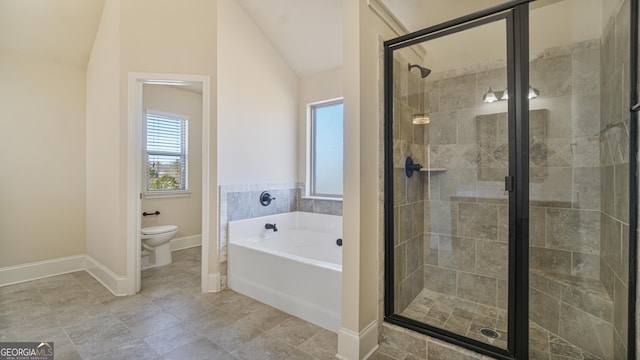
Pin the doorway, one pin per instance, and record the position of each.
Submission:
(137, 83)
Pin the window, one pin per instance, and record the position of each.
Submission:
(166, 152)
(326, 145)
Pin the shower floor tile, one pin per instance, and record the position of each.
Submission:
(467, 318)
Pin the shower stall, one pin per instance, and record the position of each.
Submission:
(507, 180)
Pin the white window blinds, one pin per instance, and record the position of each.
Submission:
(166, 152)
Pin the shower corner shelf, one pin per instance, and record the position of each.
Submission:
(410, 167)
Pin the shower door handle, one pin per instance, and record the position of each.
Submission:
(508, 183)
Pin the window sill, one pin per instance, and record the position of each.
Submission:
(167, 194)
(307, 197)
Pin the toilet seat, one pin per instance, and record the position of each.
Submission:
(154, 230)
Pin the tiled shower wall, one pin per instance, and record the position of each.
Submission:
(565, 179)
(579, 177)
(614, 169)
(408, 191)
(239, 202)
(464, 207)
(565, 222)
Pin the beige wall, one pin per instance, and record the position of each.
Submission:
(102, 131)
(184, 44)
(363, 31)
(372, 32)
(184, 212)
(322, 86)
(258, 102)
(42, 155)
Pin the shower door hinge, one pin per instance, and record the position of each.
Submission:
(140, 196)
(508, 183)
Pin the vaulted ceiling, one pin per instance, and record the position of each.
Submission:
(56, 30)
(308, 33)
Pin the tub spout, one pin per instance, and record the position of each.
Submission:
(271, 227)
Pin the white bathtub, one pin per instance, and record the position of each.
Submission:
(297, 269)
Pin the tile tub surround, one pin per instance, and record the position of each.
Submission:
(169, 319)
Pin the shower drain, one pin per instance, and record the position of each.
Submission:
(489, 333)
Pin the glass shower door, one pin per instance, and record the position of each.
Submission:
(579, 180)
(451, 148)
(510, 160)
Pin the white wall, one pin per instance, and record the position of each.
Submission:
(42, 160)
(184, 212)
(258, 104)
(313, 88)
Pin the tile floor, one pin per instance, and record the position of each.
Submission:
(169, 319)
(467, 318)
(459, 316)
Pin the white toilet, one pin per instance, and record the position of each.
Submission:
(155, 245)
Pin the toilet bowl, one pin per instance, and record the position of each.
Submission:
(155, 245)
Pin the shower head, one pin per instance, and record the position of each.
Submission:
(424, 72)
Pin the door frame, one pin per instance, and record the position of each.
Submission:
(134, 171)
(519, 271)
(516, 16)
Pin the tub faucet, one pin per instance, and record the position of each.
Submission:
(271, 227)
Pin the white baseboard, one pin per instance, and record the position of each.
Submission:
(357, 346)
(113, 282)
(369, 339)
(185, 242)
(213, 283)
(41, 269)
